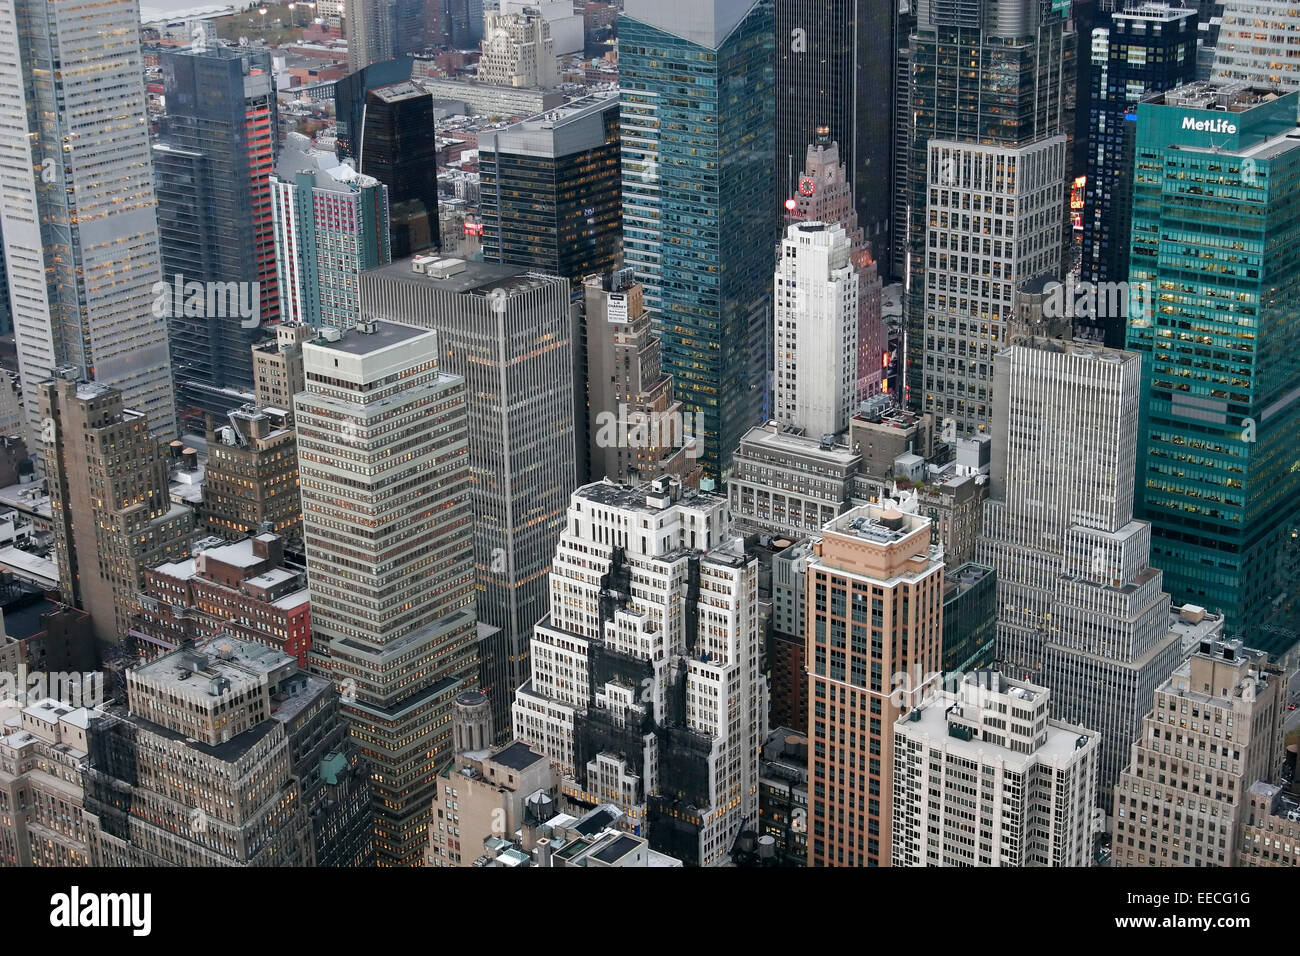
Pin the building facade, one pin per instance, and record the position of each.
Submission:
(212, 164)
(991, 737)
(388, 526)
(699, 210)
(1145, 49)
(1218, 348)
(646, 690)
(509, 334)
(874, 578)
(81, 251)
(1215, 728)
(550, 190)
(1081, 610)
(112, 515)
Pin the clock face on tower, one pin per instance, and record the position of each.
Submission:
(807, 186)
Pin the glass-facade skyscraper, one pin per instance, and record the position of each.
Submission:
(550, 190)
(1146, 49)
(213, 168)
(700, 215)
(77, 205)
(1216, 259)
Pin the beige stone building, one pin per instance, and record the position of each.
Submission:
(1215, 728)
(1270, 835)
(484, 796)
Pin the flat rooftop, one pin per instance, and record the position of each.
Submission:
(517, 756)
(476, 277)
(386, 334)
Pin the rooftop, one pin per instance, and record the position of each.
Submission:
(517, 756)
(386, 334)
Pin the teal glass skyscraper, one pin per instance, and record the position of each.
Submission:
(1215, 312)
(700, 214)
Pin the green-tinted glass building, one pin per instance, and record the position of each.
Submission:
(1215, 312)
(700, 214)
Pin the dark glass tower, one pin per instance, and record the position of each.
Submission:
(399, 148)
(835, 68)
(700, 218)
(550, 190)
(1147, 49)
(213, 165)
(1216, 256)
(350, 99)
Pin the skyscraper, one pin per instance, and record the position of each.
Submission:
(1221, 714)
(399, 147)
(835, 68)
(1145, 49)
(81, 248)
(384, 468)
(549, 190)
(700, 216)
(1216, 257)
(1082, 611)
(646, 689)
(509, 334)
(1036, 778)
(518, 50)
(112, 515)
(989, 92)
(369, 25)
(826, 195)
(874, 629)
(213, 163)
(331, 224)
(816, 301)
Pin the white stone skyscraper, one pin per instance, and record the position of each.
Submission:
(1080, 609)
(816, 300)
(384, 473)
(77, 205)
(1037, 779)
(647, 690)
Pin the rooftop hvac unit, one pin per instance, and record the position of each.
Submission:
(420, 263)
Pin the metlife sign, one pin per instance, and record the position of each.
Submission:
(1216, 125)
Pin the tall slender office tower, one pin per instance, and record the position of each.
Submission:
(509, 334)
(369, 27)
(77, 204)
(990, 88)
(1082, 610)
(700, 217)
(213, 163)
(835, 68)
(874, 633)
(816, 300)
(646, 690)
(825, 194)
(1216, 237)
(399, 147)
(384, 470)
(1143, 50)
